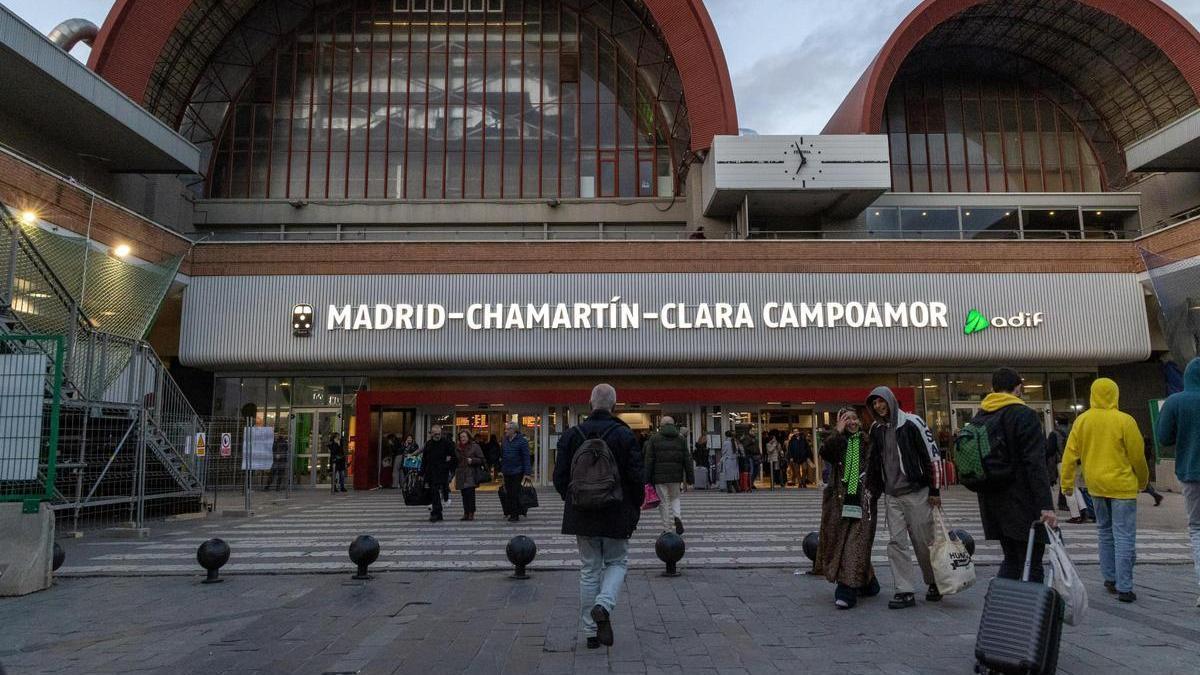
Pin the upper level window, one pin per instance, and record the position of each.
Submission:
(976, 135)
(457, 99)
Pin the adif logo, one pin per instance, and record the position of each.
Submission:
(302, 320)
(977, 321)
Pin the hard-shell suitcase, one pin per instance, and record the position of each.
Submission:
(701, 482)
(1021, 625)
(951, 472)
(744, 481)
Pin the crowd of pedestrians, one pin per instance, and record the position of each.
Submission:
(605, 472)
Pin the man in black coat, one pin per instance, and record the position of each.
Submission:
(1008, 511)
(602, 535)
(437, 461)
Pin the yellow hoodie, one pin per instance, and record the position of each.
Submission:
(1110, 447)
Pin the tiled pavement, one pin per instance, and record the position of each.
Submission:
(310, 534)
(706, 622)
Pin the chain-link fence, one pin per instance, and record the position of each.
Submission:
(30, 398)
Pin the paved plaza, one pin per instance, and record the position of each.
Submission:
(442, 601)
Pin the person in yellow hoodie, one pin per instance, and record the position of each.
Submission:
(1109, 445)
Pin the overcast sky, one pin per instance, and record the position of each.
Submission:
(792, 61)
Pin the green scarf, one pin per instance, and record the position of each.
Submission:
(853, 463)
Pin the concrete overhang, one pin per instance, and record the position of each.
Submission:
(837, 176)
(56, 95)
(1175, 147)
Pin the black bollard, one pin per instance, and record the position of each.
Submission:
(212, 556)
(520, 551)
(967, 540)
(811, 541)
(670, 549)
(364, 550)
(59, 556)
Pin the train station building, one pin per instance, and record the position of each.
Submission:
(372, 216)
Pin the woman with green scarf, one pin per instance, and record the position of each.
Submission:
(848, 513)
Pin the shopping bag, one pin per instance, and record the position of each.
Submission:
(527, 498)
(651, 500)
(953, 568)
(1064, 579)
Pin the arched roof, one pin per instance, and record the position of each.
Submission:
(1135, 62)
(148, 46)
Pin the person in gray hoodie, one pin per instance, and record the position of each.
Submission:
(904, 458)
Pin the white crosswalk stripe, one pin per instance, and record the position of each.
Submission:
(763, 529)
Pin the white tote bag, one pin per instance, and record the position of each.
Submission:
(1064, 579)
(953, 568)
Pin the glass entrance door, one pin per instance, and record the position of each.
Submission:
(311, 431)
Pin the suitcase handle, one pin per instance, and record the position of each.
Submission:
(1025, 574)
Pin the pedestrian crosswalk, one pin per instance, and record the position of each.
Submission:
(761, 529)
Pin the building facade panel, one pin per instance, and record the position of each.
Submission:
(497, 322)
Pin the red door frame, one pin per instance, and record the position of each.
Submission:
(366, 463)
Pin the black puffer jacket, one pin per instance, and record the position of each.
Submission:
(667, 458)
(621, 520)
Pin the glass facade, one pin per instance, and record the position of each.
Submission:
(981, 135)
(467, 99)
(998, 222)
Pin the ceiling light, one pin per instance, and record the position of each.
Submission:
(1051, 213)
(39, 295)
(122, 251)
(968, 213)
(29, 217)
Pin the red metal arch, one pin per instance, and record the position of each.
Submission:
(862, 110)
(136, 31)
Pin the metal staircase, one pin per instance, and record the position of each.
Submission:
(125, 422)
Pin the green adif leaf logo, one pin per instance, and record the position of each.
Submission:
(976, 323)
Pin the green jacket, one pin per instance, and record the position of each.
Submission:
(667, 458)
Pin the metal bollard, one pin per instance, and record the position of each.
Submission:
(212, 556)
(670, 549)
(811, 541)
(364, 550)
(520, 552)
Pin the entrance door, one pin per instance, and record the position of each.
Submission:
(311, 430)
(962, 413)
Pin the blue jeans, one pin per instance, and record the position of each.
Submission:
(604, 562)
(1116, 528)
(1191, 495)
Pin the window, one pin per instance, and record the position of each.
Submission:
(457, 99)
(969, 135)
(991, 223)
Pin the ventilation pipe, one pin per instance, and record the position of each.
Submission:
(73, 31)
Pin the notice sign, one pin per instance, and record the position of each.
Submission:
(226, 445)
(201, 441)
(22, 390)
(256, 448)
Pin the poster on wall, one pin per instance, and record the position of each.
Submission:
(256, 447)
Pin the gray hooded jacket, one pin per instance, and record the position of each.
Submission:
(905, 448)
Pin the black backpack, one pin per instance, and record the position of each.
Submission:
(595, 477)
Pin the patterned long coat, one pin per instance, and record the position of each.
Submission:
(844, 549)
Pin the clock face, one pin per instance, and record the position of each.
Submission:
(802, 157)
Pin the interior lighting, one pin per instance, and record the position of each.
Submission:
(29, 217)
(122, 251)
(1052, 213)
(968, 214)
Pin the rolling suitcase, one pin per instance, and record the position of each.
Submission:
(1021, 625)
(951, 473)
(744, 481)
(701, 482)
